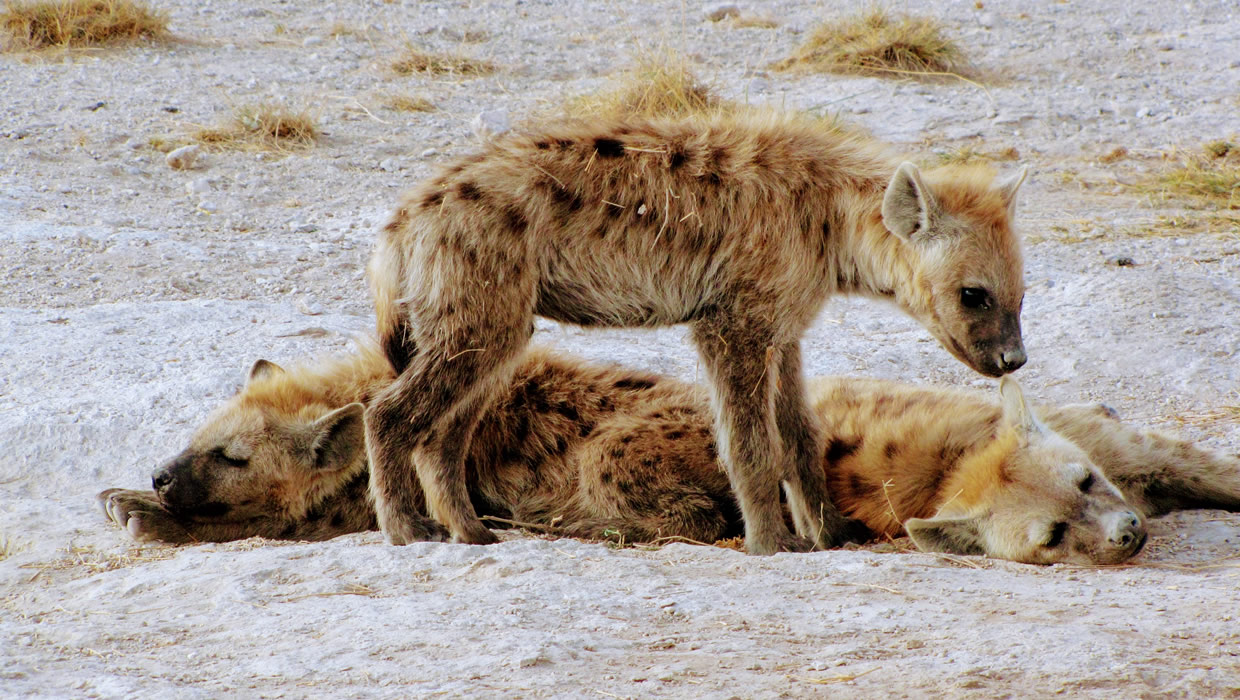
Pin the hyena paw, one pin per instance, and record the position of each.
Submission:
(403, 530)
(476, 535)
(785, 542)
(142, 516)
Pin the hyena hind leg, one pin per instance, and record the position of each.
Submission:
(805, 484)
(1156, 473)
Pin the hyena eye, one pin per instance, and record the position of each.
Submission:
(1087, 483)
(232, 461)
(1056, 537)
(974, 298)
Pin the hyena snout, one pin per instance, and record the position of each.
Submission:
(1126, 533)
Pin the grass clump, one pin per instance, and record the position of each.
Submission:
(414, 61)
(876, 43)
(1210, 179)
(974, 155)
(77, 23)
(408, 103)
(263, 126)
(655, 86)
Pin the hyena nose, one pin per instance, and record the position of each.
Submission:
(1012, 360)
(1127, 531)
(161, 479)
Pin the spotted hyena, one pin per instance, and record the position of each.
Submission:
(603, 452)
(739, 226)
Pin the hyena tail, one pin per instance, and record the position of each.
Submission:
(387, 279)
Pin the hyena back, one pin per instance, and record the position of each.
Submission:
(601, 452)
(740, 226)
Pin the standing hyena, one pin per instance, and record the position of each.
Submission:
(740, 226)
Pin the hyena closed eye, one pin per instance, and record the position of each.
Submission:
(599, 452)
(740, 226)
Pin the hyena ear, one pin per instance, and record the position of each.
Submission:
(908, 205)
(1017, 411)
(264, 368)
(1007, 189)
(946, 535)
(336, 440)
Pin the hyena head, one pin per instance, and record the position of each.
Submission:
(969, 272)
(1032, 496)
(271, 450)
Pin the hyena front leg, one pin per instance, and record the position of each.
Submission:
(813, 513)
(742, 398)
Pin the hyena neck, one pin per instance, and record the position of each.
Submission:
(977, 475)
(871, 261)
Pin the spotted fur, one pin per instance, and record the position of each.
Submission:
(740, 226)
(603, 452)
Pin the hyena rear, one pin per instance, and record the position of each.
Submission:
(602, 452)
(740, 226)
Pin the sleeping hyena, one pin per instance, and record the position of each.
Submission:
(603, 452)
(740, 226)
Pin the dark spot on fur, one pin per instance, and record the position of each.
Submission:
(618, 453)
(714, 179)
(950, 453)
(567, 410)
(626, 439)
(397, 346)
(860, 487)
(634, 383)
(626, 487)
(650, 461)
(561, 446)
(564, 144)
(712, 452)
(586, 429)
(314, 515)
(432, 199)
(605, 404)
(677, 158)
(568, 202)
(337, 520)
(288, 531)
(674, 434)
(891, 449)
(605, 477)
(542, 145)
(601, 232)
(826, 229)
(514, 219)
(613, 212)
(608, 148)
(838, 448)
(468, 191)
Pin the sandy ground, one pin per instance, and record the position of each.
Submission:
(133, 297)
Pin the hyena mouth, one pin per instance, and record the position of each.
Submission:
(1140, 544)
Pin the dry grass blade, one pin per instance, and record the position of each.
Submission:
(75, 23)
(657, 85)
(875, 43)
(263, 126)
(408, 103)
(1209, 179)
(831, 680)
(418, 61)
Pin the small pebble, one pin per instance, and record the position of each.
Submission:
(430, 152)
(310, 307)
(491, 122)
(206, 206)
(312, 41)
(1121, 261)
(182, 158)
(199, 185)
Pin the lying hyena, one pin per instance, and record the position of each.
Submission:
(593, 451)
(740, 226)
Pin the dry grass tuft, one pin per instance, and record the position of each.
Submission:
(263, 126)
(751, 21)
(1209, 180)
(76, 23)
(408, 103)
(417, 61)
(8, 548)
(658, 85)
(875, 43)
(973, 155)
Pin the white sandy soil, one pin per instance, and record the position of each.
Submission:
(133, 297)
